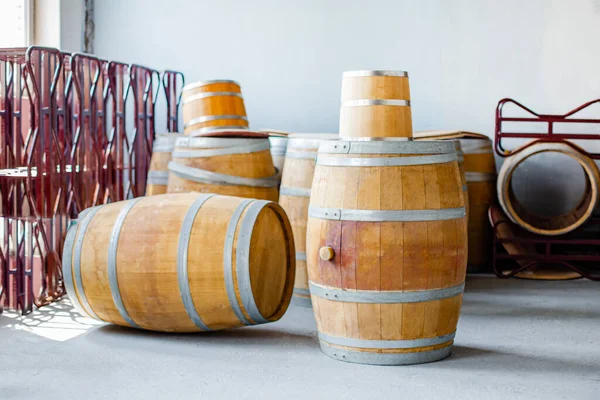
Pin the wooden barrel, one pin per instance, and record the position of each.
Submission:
(278, 148)
(548, 225)
(480, 173)
(386, 250)
(131, 263)
(158, 173)
(212, 105)
(463, 178)
(232, 166)
(375, 104)
(461, 166)
(294, 195)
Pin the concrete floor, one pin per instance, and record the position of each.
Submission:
(516, 340)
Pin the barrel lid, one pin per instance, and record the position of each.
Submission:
(355, 74)
(271, 268)
(197, 84)
(447, 134)
(275, 132)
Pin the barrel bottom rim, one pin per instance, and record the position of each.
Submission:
(358, 357)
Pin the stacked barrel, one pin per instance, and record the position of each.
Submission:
(213, 105)
(387, 232)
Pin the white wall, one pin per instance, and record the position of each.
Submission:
(59, 23)
(462, 55)
(71, 25)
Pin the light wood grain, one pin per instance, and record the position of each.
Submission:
(298, 174)
(389, 255)
(160, 161)
(375, 120)
(212, 106)
(255, 164)
(147, 256)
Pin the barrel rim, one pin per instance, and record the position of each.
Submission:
(510, 165)
(204, 142)
(197, 84)
(208, 177)
(288, 289)
(375, 72)
(344, 146)
(205, 95)
(330, 161)
(223, 151)
(358, 357)
(209, 118)
(376, 102)
(211, 129)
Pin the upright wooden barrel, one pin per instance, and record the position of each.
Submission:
(158, 173)
(548, 225)
(278, 149)
(386, 250)
(463, 177)
(480, 173)
(294, 195)
(375, 104)
(211, 105)
(181, 263)
(232, 166)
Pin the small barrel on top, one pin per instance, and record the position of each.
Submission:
(212, 105)
(375, 104)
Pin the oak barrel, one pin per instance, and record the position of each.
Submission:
(211, 105)
(158, 173)
(548, 225)
(278, 149)
(480, 173)
(375, 104)
(224, 165)
(294, 195)
(181, 263)
(386, 250)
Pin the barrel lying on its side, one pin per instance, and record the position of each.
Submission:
(181, 263)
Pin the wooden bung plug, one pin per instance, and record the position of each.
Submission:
(326, 253)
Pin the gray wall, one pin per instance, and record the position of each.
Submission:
(462, 55)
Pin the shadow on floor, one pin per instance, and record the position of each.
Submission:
(512, 308)
(490, 284)
(485, 359)
(248, 336)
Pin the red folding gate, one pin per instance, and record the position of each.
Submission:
(75, 131)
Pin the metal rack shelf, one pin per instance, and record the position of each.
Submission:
(574, 251)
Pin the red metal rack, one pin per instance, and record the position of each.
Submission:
(65, 146)
(575, 250)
